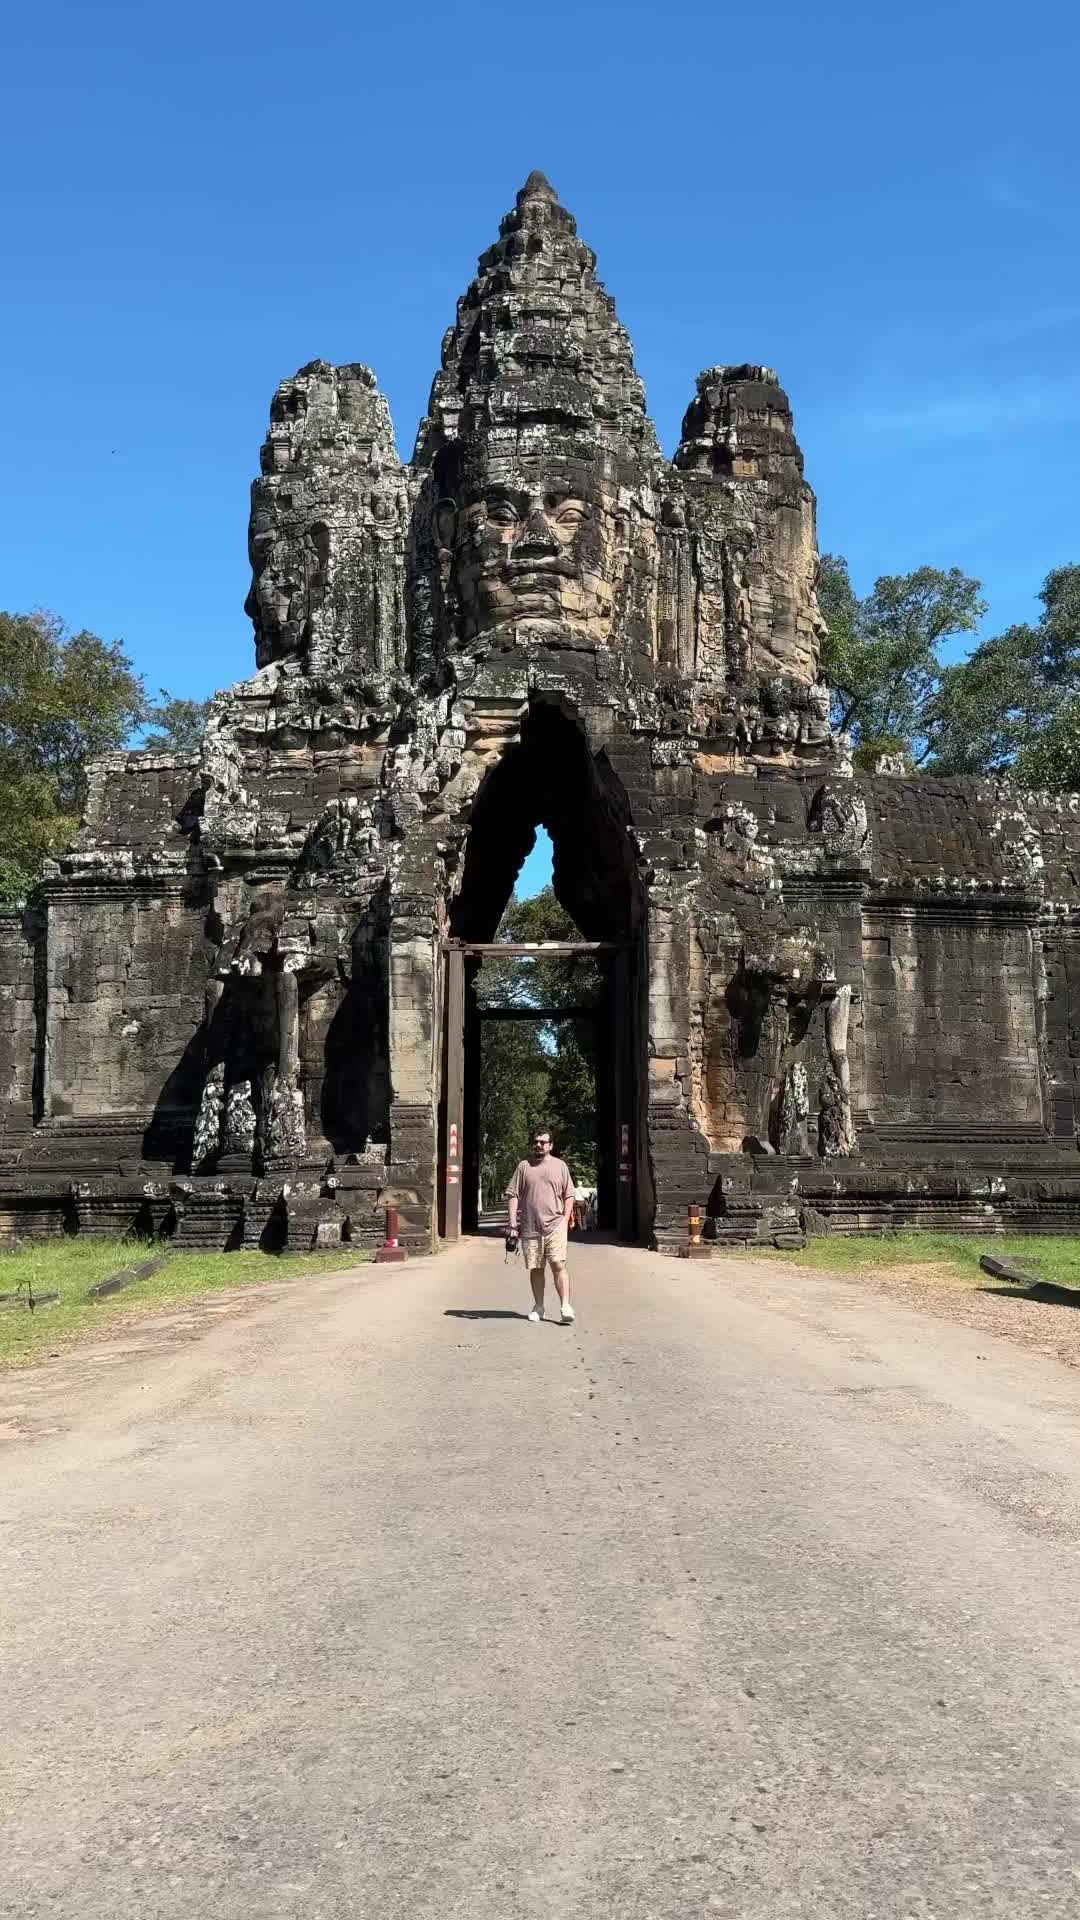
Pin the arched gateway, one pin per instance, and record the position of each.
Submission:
(554, 776)
(244, 1011)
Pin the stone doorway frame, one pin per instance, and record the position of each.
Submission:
(626, 1054)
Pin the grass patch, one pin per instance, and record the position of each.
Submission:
(952, 1256)
(71, 1267)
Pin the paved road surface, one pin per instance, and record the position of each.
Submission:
(749, 1595)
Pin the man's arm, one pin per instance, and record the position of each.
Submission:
(568, 1199)
(511, 1196)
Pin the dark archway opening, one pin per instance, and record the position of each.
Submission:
(553, 779)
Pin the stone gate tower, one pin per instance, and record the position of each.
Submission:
(845, 1001)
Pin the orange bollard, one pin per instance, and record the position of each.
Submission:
(390, 1249)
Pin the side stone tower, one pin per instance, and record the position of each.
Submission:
(245, 1012)
(752, 516)
(329, 516)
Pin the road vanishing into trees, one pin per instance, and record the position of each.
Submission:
(750, 1594)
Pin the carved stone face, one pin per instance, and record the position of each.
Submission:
(539, 550)
(272, 601)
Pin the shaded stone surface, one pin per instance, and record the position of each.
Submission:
(848, 1002)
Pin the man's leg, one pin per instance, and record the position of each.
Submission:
(556, 1251)
(532, 1252)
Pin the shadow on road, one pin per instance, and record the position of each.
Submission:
(482, 1313)
(1044, 1292)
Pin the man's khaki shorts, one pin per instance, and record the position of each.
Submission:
(536, 1248)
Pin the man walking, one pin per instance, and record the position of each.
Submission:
(541, 1196)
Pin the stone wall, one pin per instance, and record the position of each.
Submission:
(126, 985)
(950, 1025)
(22, 948)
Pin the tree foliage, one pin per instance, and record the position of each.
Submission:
(177, 725)
(1008, 708)
(563, 980)
(543, 1071)
(515, 1073)
(881, 653)
(65, 697)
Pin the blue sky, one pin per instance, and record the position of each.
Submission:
(535, 873)
(882, 203)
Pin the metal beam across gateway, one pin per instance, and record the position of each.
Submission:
(514, 950)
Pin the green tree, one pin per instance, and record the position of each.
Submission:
(1009, 708)
(561, 981)
(542, 1071)
(177, 725)
(1051, 761)
(63, 698)
(881, 653)
(515, 1072)
(572, 1097)
(1006, 708)
(985, 708)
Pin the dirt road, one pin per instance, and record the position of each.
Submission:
(748, 1595)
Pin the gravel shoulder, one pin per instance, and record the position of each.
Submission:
(1050, 1327)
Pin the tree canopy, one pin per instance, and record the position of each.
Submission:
(881, 655)
(65, 697)
(177, 725)
(1011, 707)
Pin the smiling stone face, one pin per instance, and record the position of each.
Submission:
(535, 549)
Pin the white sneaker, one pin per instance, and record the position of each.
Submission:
(567, 1314)
(536, 1314)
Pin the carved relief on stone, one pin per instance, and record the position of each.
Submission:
(538, 461)
(782, 976)
(535, 548)
(210, 1117)
(229, 815)
(739, 831)
(344, 831)
(793, 1110)
(891, 762)
(836, 1129)
(838, 811)
(328, 527)
(791, 958)
(814, 727)
(746, 493)
(238, 1131)
(282, 1131)
(252, 1103)
(282, 1126)
(1019, 843)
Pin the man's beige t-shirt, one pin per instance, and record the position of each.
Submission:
(541, 1189)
